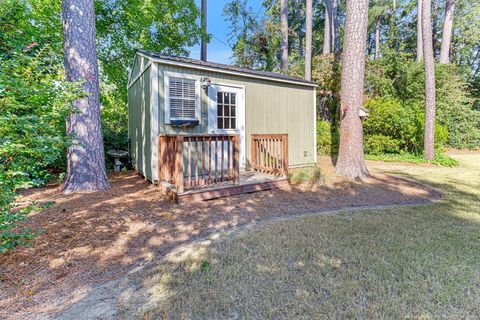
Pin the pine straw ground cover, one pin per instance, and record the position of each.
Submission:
(86, 240)
(410, 262)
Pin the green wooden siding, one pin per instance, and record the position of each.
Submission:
(271, 107)
(139, 121)
(138, 65)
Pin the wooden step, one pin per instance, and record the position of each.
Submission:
(221, 191)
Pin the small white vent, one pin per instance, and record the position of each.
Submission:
(182, 98)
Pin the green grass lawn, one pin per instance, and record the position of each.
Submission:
(411, 262)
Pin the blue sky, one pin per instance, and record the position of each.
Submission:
(218, 50)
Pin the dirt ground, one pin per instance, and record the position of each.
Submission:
(99, 237)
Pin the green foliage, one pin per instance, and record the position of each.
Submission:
(35, 101)
(11, 235)
(440, 158)
(254, 42)
(123, 27)
(327, 138)
(398, 77)
(34, 104)
(376, 144)
(395, 127)
(312, 175)
(456, 108)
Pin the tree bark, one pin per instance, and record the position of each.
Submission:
(335, 27)
(203, 41)
(284, 31)
(429, 134)
(327, 33)
(351, 161)
(85, 156)
(377, 37)
(419, 32)
(299, 15)
(308, 40)
(434, 26)
(447, 32)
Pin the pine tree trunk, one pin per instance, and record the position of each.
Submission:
(434, 26)
(299, 15)
(203, 42)
(429, 134)
(308, 40)
(336, 27)
(447, 32)
(351, 161)
(419, 32)
(284, 32)
(85, 157)
(377, 37)
(327, 32)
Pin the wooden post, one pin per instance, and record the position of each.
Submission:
(222, 158)
(253, 152)
(285, 154)
(179, 165)
(236, 159)
(161, 169)
(189, 159)
(209, 160)
(203, 161)
(216, 159)
(196, 183)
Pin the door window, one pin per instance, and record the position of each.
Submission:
(226, 110)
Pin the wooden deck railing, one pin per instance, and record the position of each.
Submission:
(198, 160)
(269, 153)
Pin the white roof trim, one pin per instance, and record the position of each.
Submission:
(237, 73)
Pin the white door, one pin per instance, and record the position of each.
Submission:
(226, 113)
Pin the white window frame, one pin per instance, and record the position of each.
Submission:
(166, 76)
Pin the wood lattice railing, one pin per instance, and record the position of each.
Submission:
(269, 153)
(198, 160)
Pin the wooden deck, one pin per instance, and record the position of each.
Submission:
(250, 181)
(200, 167)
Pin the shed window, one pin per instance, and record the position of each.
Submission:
(226, 110)
(182, 98)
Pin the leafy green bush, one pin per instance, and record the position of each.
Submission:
(10, 235)
(34, 104)
(396, 127)
(400, 78)
(380, 144)
(456, 108)
(327, 138)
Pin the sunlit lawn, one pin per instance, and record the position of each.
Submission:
(419, 261)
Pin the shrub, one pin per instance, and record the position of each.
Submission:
(379, 144)
(396, 127)
(34, 103)
(10, 235)
(312, 175)
(400, 78)
(327, 138)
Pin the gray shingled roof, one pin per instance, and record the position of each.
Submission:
(224, 67)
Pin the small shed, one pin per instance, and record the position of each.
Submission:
(190, 120)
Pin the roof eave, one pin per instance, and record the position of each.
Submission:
(219, 70)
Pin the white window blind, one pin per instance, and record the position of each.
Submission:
(182, 97)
